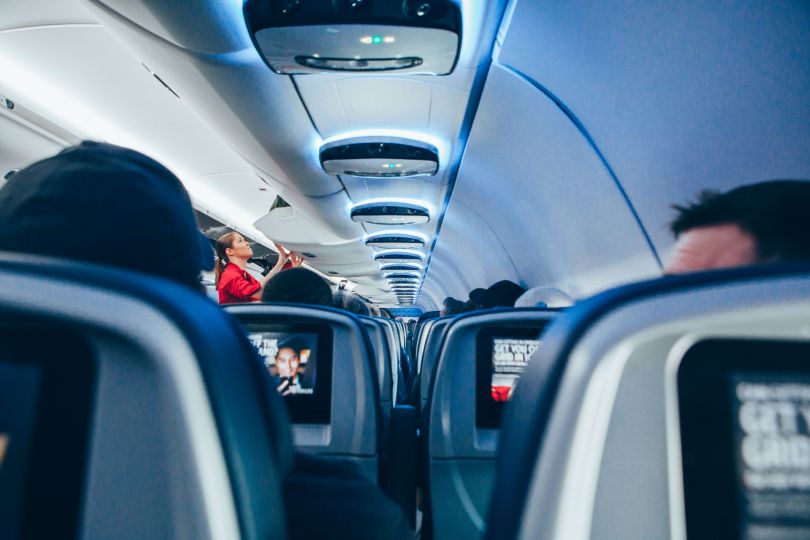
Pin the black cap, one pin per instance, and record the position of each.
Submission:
(502, 294)
(105, 204)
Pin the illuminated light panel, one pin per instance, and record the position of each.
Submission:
(442, 146)
(396, 239)
(397, 255)
(401, 267)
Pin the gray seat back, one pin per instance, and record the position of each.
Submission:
(379, 342)
(663, 422)
(341, 417)
(430, 356)
(421, 341)
(150, 417)
(462, 415)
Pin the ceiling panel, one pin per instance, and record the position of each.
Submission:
(679, 96)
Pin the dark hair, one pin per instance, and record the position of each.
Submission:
(453, 306)
(298, 286)
(350, 302)
(775, 213)
(223, 242)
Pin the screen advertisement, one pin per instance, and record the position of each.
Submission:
(509, 359)
(772, 454)
(298, 358)
(502, 355)
(744, 408)
(292, 360)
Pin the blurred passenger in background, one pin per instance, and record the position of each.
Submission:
(350, 302)
(452, 306)
(298, 286)
(502, 294)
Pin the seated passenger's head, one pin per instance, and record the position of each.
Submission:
(108, 205)
(452, 306)
(298, 286)
(350, 302)
(476, 299)
(502, 294)
(757, 223)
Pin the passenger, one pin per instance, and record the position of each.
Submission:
(298, 286)
(548, 297)
(452, 306)
(48, 209)
(234, 283)
(758, 223)
(502, 294)
(82, 204)
(350, 302)
(475, 300)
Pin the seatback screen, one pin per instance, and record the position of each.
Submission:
(292, 360)
(745, 418)
(509, 359)
(299, 359)
(47, 382)
(19, 388)
(502, 355)
(772, 453)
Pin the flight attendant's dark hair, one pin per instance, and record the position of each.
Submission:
(223, 242)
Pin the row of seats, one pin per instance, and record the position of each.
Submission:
(627, 422)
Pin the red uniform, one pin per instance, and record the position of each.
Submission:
(236, 286)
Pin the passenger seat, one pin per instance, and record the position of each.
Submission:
(672, 408)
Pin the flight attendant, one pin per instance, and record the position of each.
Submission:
(234, 284)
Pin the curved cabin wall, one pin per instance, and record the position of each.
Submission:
(677, 97)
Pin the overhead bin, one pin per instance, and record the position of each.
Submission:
(296, 37)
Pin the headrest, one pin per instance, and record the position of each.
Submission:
(551, 297)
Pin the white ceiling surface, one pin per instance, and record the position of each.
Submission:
(537, 207)
(210, 61)
(20, 145)
(57, 61)
(679, 97)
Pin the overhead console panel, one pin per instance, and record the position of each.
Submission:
(390, 213)
(359, 36)
(380, 157)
